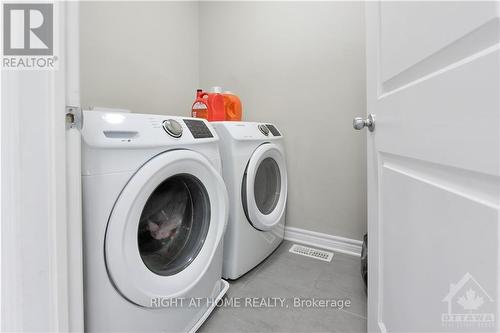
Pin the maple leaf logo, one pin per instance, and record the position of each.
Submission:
(470, 301)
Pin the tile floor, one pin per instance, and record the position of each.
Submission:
(287, 275)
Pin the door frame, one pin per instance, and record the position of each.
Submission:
(33, 147)
(372, 58)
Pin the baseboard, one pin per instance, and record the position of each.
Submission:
(324, 241)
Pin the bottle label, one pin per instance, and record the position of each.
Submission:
(199, 106)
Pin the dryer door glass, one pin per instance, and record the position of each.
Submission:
(174, 224)
(267, 185)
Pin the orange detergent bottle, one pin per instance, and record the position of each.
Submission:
(232, 106)
(209, 106)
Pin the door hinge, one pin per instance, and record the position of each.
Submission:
(74, 117)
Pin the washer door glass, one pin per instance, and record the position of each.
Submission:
(267, 185)
(173, 224)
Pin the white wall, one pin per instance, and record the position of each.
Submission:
(139, 56)
(302, 66)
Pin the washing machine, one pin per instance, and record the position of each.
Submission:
(254, 169)
(155, 210)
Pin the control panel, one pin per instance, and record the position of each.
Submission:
(242, 130)
(198, 128)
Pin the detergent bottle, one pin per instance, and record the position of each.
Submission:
(200, 105)
(232, 106)
(209, 106)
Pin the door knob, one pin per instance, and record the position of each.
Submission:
(359, 123)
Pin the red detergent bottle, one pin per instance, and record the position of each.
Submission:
(209, 106)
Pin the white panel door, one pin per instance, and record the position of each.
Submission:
(433, 166)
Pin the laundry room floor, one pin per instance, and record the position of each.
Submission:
(263, 300)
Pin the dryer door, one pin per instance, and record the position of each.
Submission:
(165, 227)
(264, 188)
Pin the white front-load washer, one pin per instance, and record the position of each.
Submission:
(155, 209)
(254, 169)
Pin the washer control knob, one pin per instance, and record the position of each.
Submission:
(264, 129)
(173, 128)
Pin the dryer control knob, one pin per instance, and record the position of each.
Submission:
(173, 128)
(264, 129)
